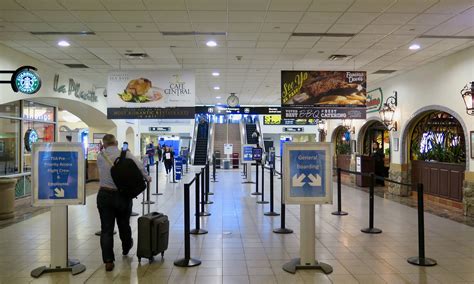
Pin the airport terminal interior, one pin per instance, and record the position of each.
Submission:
(240, 141)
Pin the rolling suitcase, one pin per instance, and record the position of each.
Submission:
(153, 233)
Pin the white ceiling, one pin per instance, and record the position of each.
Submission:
(258, 30)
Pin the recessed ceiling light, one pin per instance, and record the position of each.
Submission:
(217, 88)
(218, 97)
(216, 74)
(414, 46)
(211, 43)
(63, 43)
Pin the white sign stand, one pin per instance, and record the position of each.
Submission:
(312, 162)
(307, 244)
(61, 159)
(59, 246)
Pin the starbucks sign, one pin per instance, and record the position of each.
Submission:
(26, 80)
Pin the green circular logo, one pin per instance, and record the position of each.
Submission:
(27, 81)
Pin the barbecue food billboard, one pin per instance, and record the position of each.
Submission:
(323, 94)
(150, 94)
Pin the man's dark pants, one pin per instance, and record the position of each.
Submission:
(114, 206)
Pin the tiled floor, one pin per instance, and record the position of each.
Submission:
(241, 248)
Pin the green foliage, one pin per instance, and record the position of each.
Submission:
(440, 152)
(343, 149)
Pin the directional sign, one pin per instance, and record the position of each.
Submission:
(178, 162)
(58, 174)
(247, 153)
(307, 173)
(257, 154)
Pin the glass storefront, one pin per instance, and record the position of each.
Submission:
(23, 123)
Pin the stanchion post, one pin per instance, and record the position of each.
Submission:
(156, 179)
(262, 201)
(187, 261)
(203, 194)
(206, 181)
(148, 201)
(256, 180)
(197, 230)
(271, 212)
(421, 259)
(282, 229)
(174, 172)
(339, 211)
(371, 229)
(214, 168)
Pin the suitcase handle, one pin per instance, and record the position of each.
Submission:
(143, 198)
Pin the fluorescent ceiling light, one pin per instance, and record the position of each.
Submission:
(211, 43)
(414, 46)
(63, 43)
(218, 97)
(216, 74)
(217, 88)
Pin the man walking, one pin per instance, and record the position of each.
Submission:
(150, 152)
(113, 206)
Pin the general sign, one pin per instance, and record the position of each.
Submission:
(58, 174)
(247, 153)
(307, 173)
(293, 129)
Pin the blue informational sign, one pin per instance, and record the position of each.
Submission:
(307, 173)
(247, 153)
(58, 175)
(257, 154)
(271, 156)
(178, 167)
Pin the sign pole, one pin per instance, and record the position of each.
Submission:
(307, 244)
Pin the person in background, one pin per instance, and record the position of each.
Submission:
(112, 205)
(378, 156)
(150, 152)
(168, 158)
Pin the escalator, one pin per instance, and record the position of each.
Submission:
(201, 144)
(249, 130)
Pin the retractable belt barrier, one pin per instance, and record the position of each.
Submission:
(187, 261)
(272, 176)
(421, 259)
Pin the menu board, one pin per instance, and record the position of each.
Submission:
(341, 94)
(275, 119)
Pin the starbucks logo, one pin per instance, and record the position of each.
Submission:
(26, 80)
(31, 136)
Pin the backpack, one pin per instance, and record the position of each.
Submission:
(127, 176)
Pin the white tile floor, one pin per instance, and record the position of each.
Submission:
(241, 248)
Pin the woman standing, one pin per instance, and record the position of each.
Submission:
(168, 158)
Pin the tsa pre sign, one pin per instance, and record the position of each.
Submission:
(307, 174)
(58, 174)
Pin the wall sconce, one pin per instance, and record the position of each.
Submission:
(322, 127)
(467, 95)
(388, 111)
(347, 124)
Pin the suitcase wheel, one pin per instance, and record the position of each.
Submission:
(150, 259)
(162, 254)
(139, 259)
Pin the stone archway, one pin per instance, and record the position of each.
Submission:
(363, 129)
(413, 171)
(130, 138)
(407, 130)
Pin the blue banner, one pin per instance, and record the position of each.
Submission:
(307, 173)
(247, 153)
(178, 167)
(58, 175)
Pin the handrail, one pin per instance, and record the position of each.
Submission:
(16, 175)
(243, 132)
(210, 140)
(194, 141)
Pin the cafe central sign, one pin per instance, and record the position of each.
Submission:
(74, 88)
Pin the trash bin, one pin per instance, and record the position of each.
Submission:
(7, 198)
(235, 160)
(226, 164)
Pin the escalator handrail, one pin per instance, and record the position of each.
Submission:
(194, 141)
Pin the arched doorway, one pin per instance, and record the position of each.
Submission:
(341, 138)
(437, 154)
(372, 133)
(130, 138)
